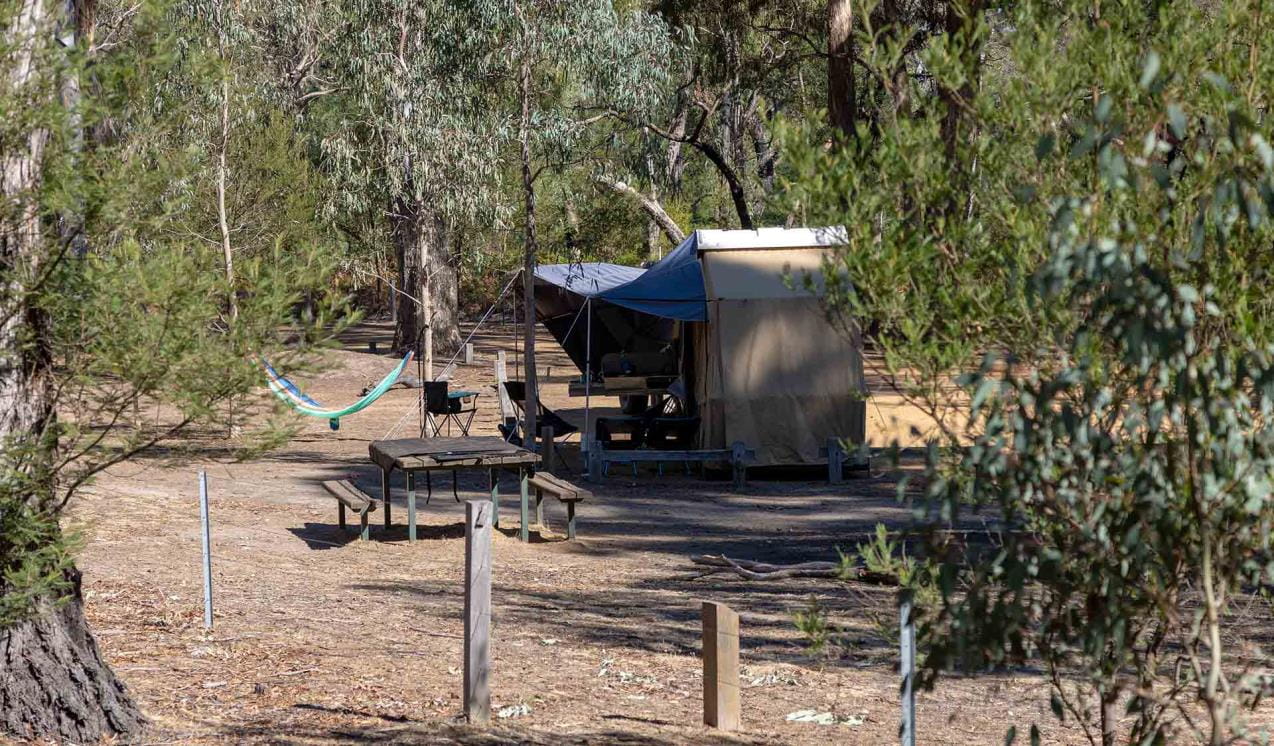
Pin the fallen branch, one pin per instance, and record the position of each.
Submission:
(750, 570)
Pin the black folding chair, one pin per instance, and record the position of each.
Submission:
(450, 406)
(545, 417)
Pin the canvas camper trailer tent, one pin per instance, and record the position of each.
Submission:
(727, 319)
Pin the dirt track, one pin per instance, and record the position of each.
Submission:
(321, 639)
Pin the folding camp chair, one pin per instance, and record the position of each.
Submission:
(545, 417)
(451, 406)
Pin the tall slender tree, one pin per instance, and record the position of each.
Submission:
(407, 133)
(136, 319)
(47, 653)
(565, 60)
(842, 101)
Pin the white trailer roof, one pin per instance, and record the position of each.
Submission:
(770, 238)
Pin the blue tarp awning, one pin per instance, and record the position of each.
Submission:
(671, 289)
(587, 278)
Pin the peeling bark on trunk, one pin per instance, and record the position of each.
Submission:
(842, 98)
(532, 403)
(421, 236)
(676, 162)
(54, 684)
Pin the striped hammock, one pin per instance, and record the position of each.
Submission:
(289, 394)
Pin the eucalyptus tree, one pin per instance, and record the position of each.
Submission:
(138, 322)
(563, 61)
(409, 132)
(1082, 195)
(248, 184)
(738, 66)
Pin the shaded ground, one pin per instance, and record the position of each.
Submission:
(321, 639)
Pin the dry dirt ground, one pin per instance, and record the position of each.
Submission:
(319, 638)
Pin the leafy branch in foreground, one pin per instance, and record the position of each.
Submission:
(1136, 479)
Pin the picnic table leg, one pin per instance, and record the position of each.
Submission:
(524, 477)
(570, 520)
(411, 505)
(384, 493)
(539, 507)
(494, 476)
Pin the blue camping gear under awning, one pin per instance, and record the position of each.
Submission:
(672, 288)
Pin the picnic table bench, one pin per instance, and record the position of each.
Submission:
(485, 453)
(546, 484)
(351, 497)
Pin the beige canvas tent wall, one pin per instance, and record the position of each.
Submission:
(764, 364)
(771, 369)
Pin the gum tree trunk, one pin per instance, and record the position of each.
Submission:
(531, 405)
(842, 102)
(54, 684)
(420, 238)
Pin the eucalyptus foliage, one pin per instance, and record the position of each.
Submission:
(946, 190)
(1135, 483)
(1079, 195)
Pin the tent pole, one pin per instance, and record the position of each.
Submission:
(588, 375)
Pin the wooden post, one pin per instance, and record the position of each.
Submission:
(411, 505)
(720, 666)
(524, 532)
(907, 667)
(501, 375)
(546, 465)
(494, 476)
(546, 449)
(738, 453)
(468, 353)
(384, 493)
(835, 461)
(595, 469)
(477, 611)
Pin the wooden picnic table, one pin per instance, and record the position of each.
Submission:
(411, 455)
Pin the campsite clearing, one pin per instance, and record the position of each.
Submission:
(320, 637)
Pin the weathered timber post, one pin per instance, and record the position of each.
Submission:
(501, 375)
(595, 467)
(738, 463)
(907, 667)
(720, 666)
(835, 461)
(477, 611)
(546, 449)
(468, 353)
(546, 464)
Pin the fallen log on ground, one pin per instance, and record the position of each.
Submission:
(751, 570)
